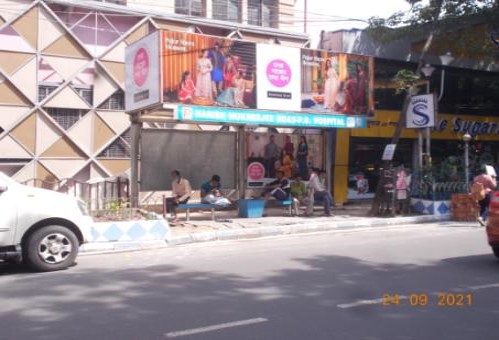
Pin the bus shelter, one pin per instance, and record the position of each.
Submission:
(209, 105)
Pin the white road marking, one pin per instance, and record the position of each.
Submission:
(492, 285)
(367, 302)
(214, 327)
(359, 303)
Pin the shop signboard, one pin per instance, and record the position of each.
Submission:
(389, 152)
(421, 112)
(142, 73)
(266, 118)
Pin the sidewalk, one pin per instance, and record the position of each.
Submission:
(228, 226)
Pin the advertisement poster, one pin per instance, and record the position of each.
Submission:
(279, 78)
(208, 71)
(281, 152)
(142, 73)
(336, 83)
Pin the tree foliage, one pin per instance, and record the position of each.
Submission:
(470, 28)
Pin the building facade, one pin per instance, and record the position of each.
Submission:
(468, 101)
(62, 75)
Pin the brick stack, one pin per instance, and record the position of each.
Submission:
(464, 208)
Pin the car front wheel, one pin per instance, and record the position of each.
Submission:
(496, 251)
(51, 248)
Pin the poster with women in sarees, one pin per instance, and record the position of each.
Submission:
(336, 83)
(209, 71)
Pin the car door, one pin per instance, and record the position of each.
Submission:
(8, 212)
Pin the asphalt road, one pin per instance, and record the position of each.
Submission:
(416, 282)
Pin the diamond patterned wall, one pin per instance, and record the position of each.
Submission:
(51, 87)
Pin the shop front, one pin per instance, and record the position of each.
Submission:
(446, 163)
(209, 105)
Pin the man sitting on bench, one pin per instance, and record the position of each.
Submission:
(211, 194)
(279, 189)
(181, 192)
(318, 193)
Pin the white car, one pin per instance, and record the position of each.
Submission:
(43, 228)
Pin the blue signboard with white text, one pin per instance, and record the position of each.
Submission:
(264, 118)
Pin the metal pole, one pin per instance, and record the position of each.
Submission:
(134, 168)
(420, 150)
(328, 158)
(428, 130)
(466, 164)
(241, 153)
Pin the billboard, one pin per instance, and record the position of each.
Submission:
(216, 72)
(336, 83)
(208, 71)
(142, 81)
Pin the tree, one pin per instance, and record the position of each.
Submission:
(427, 20)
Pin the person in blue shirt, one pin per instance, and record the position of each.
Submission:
(211, 194)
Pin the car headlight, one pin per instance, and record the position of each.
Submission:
(83, 207)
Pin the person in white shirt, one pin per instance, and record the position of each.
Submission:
(318, 192)
(181, 192)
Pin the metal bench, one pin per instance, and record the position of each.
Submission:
(201, 206)
(288, 202)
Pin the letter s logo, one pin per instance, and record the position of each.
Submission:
(422, 118)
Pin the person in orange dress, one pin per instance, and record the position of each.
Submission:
(187, 88)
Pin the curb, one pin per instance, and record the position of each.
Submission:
(256, 232)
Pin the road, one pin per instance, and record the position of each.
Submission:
(314, 286)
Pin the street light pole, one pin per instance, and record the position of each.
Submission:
(427, 71)
(466, 139)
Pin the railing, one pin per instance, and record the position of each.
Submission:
(426, 187)
(98, 195)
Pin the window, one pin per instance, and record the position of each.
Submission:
(44, 91)
(190, 7)
(115, 102)
(86, 93)
(263, 13)
(120, 148)
(66, 118)
(229, 10)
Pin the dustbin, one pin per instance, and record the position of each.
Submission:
(251, 208)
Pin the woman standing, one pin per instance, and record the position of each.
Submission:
(203, 80)
(302, 156)
(239, 86)
(330, 85)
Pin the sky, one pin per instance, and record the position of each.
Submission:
(321, 14)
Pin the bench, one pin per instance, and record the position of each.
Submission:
(200, 206)
(189, 206)
(288, 202)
